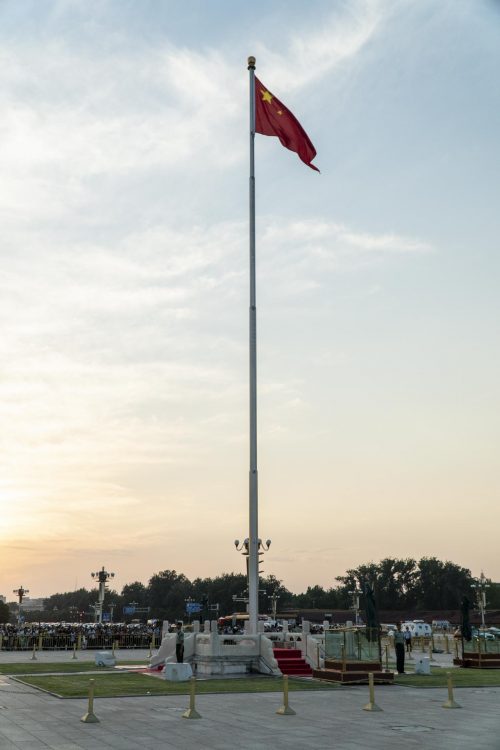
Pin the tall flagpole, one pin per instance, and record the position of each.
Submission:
(253, 514)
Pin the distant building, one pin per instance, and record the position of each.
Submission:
(32, 605)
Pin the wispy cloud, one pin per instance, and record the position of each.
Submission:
(123, 297)
(314, 51)
(123, 357)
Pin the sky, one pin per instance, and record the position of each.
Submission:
(124, 288)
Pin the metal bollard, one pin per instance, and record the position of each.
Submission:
(450, 703)
(285, 709)
(447, 642)
(33, 658)
(74, 652)
(386, 657)
(90, 717)
(431, 657)
(191, 713)
(371, 705)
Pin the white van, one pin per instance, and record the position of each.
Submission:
(441, 624)
(418, 628)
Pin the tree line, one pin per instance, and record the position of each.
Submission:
(399, 584)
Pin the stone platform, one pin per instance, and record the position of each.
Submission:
(353, 672)
(479, 661)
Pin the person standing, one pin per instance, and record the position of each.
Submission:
(399, 646)
(407, 635)
(179, 643)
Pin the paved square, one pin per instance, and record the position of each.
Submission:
(411, 718)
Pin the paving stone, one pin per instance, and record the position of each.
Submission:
(411, 718)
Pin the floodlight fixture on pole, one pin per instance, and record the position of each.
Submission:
(274, 604)
(264, 546)
(355, 602)
(102, 576)
(20, 595)
(480, 587)
(245, 550)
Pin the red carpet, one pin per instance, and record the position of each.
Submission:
(290, 662)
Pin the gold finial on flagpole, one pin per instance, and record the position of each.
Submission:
(251, 63)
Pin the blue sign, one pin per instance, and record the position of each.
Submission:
(193, 607)
(106, 617)
(129, 610)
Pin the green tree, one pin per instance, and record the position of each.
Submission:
(167, 593)
(353, 580)
(395, 583)
(66, 606)
(4, 612)
(220, 590)
(441, 585)
(136, 593)
(493, 596)
(273, 586)
(315, 597)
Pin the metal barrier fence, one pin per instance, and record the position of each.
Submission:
(82, 641)
(438, 642)
(482, 645)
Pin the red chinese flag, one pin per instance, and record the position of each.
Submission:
(273, 118)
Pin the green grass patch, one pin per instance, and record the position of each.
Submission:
(461, 678)
(57, 666)
(116, 685)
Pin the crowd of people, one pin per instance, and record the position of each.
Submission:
(82, 635)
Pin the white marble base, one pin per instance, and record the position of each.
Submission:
(422, 665)
(105, 659)
(177, 672)
(222, 666)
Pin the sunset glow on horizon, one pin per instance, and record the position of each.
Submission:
(124, 289)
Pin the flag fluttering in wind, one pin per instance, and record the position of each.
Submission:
(273, 118)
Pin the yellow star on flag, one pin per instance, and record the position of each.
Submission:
(273, 118)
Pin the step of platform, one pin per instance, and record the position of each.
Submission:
(476, 664)
(291, 662)
(352, 677)
(353, 666)
(287, 653)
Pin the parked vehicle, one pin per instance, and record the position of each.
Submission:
(441, 625)
(418, 628)
(387, 628)
(483, 634)
(495, 631)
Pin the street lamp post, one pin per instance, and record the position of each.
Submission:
(20, 594)
(244, 548)
(480, 587)
(274, 604)
(188, 602)
(355, 603)
(102, 577)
